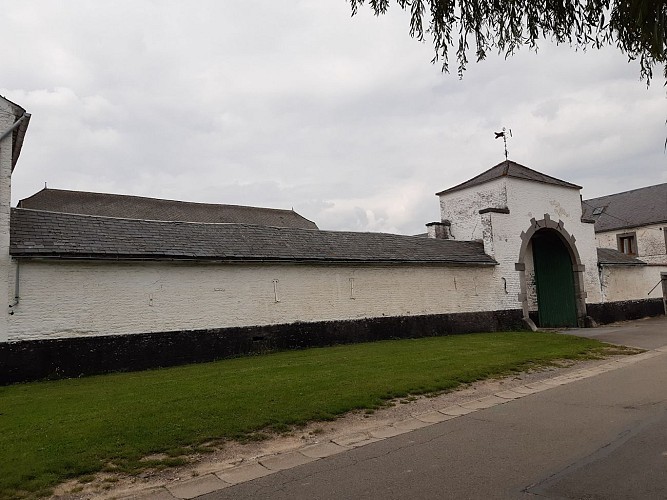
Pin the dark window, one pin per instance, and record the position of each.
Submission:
(598, 210)
(627, 243)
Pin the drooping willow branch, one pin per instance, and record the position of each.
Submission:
(636, 27)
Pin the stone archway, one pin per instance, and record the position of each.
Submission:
(577, 267)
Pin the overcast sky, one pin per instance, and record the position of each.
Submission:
(297, 104)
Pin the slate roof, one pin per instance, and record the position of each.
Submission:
(137, 207)
(609, 256)
(39, 234)
(509, 168)
(635, 208)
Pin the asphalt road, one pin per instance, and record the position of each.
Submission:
(603, 437)
(647, 333)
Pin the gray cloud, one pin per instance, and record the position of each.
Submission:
(295, 104)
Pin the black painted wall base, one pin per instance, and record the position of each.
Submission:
(610, 312)
(62, 358)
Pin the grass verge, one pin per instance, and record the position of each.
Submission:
(53, 431)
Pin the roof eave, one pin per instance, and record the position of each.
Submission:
(470, 182)
(634, 226)
(223, 259)
(623, 264)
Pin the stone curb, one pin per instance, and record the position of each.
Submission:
(198, 486)
(263, 466)
(286, 460)
(243, 473)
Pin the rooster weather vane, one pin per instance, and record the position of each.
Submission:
(504, 134)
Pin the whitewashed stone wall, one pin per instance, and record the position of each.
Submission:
(73, 299)
(621, 283)
(6, 270)
(651, 243)
(462, 208)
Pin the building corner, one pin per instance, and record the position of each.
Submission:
(13, 124)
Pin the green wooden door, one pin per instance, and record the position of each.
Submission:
(554, 281)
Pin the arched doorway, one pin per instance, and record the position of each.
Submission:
(554, 280)
(549, 229)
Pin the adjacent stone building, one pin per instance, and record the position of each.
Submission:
(633, 222)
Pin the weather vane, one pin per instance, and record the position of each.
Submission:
(503, 134)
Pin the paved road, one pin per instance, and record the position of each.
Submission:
(647, 333)
(604, 437)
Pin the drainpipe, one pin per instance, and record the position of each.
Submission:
(663, 280)
(602, 285)
(17, 289)
(23, 117)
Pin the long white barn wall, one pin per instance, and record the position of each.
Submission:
(71, 299)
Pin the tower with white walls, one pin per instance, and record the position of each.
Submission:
(13, 124)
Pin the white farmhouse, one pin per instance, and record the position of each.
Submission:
(633, 222)
(97, 282)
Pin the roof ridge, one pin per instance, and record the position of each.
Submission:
(627, 191)
(228, 224)
(473, 178)
(75, 191)
(546, 175)
(17, 107)
(93, 216)
(504, 169)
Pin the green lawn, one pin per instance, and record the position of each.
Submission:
(51, 431)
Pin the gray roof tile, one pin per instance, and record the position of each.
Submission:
(509, 168)
(635, 208)
(610, 256)
(47, 234)
(137, 207)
